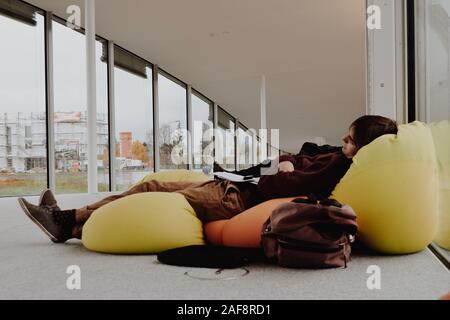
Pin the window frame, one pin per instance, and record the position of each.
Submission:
(44, 14)
(191, 120)
(176, 80)
(49, 17)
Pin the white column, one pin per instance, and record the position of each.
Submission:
(50, 102)
(112, 117)
(190, 128)
(263, 132)
(263, 103)
(156, 118)
(91, 96)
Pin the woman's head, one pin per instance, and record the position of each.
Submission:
(364, 130)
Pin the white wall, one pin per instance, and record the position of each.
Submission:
(385, 51)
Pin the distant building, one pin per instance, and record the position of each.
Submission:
(23, 140)
(126, 142)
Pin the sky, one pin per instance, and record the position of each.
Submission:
(22, 80)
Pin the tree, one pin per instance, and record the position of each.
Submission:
(139, 151)
(169, 139)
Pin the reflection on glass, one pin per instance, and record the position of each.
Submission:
(133, 118)
(172, 124)
(433, 75)
(203, 147)
(23, 145)
(245, 148)
(225, 144)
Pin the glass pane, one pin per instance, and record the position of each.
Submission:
(202, 136)
(434, 59)
(172, 124)
(134, 122)
(433, 76)
(225, 144)
(23, 135)
(71, 149)
(245, 149)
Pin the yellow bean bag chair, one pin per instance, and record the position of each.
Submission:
(441, 136)
(146, 222)
(392, 185)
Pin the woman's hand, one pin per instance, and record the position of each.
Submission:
(286, 166)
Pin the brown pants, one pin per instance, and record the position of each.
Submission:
(211, 200)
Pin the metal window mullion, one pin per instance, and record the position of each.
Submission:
(190, 127)
(51, 162)
(255, 147)
(91, 96)
(112, 118)
(156, 119)
(236, 123)
(236, 143)
(215, 126)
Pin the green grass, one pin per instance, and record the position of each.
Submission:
(24, 184)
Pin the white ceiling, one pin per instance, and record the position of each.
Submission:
(312, 53)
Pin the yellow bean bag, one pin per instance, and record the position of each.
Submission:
(146, 222)
(441, 136)
(392, 185)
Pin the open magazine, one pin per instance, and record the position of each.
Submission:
(236, 178)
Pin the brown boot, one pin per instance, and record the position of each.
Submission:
(57, 225)
(47, 200)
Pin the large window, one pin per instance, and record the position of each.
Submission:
(71, 137)
(225, 144)
(172, 123)
(133, 118)
(202, 133)
(245, 147)
(433, 47)
(23, 146)
(433, 77)
(24, 117)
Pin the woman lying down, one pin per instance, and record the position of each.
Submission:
(221, 199)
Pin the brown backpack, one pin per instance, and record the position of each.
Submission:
(310, 234)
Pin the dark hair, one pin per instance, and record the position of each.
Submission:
(368, 128)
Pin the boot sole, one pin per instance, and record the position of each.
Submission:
(27, 212)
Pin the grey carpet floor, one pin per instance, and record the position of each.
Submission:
(31, 267)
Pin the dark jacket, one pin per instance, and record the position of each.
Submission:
(312, 149)
(313, 174)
